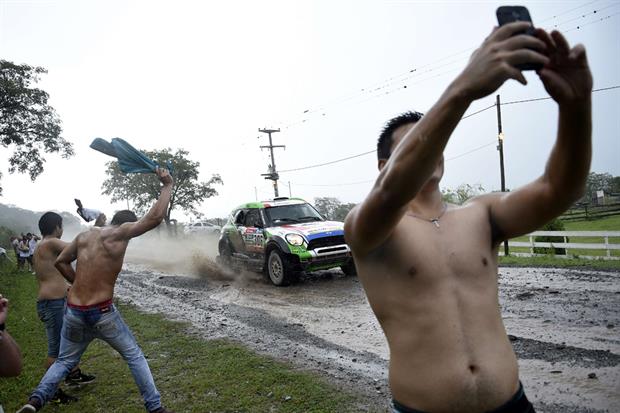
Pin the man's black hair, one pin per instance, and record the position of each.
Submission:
(49, 222)
(384, 145)
(123, 216)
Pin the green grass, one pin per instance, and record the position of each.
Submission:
(604, 224)
(192, 374)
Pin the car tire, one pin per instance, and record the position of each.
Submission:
(225, 254)
(278, 268)
(349, 268)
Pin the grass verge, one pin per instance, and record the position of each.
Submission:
(192, 375)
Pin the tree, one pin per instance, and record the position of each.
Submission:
(331, 208)
(615, 185)
(597, 182)
(27, 122)
(143, 189)
(462, 193)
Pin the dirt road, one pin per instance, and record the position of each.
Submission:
(564, 326)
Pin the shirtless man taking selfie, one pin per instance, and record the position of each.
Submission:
(430, 269)
(90, 312)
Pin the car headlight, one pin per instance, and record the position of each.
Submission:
(294, 239)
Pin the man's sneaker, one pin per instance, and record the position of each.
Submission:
(32, 406)
(77, 378)
(60, 397)
(161, 410)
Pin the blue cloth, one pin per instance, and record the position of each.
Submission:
(51, 312)
(79, 328)
(130, 160)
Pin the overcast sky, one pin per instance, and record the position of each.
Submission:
(205, 76)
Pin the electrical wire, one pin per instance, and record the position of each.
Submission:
(514, 102)
(416, 71)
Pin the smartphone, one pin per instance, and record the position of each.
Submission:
(509, 14)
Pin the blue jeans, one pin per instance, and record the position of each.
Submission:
(51, 313)
(80, 327)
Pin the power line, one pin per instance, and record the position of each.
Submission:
(583, 16)
(592, 22)
(416, 71)
(365, 153)
(452, 158)
(328, 163)
(343, 184)
(514, 102)
(472, 151)
(568, 11)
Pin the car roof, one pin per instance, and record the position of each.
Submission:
(272, 203)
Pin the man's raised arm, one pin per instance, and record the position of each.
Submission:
(416, 156)
(64, 260)
(568, 81)
(155, 215)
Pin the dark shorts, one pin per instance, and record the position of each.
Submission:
(517, 404)
(51, 312)
(21, 259)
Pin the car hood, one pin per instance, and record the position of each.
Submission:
(310, 230)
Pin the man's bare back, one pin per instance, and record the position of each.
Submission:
(100, 257)
(52, 285)
(430, 270)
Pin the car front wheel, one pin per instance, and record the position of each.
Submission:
(278, 268)
(225, 256)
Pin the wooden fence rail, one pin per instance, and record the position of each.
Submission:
(569, 243)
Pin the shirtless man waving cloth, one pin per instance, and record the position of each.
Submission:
(90, 312)
(430, 269)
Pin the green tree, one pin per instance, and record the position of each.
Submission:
(597, 182)
(331, 208)
(143, 189)
(28, 124)
(326, 206)
(461, 194)
(615, 185)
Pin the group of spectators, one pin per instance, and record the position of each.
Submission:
(24, 247)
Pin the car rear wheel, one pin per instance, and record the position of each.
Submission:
(278, 268)
(349, 268)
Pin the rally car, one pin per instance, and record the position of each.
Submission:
(282, 238)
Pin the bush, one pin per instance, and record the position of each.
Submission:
(554, 225)
(5, 235)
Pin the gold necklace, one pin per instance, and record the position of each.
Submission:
(432, 220)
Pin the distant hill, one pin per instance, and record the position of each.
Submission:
(20, 220)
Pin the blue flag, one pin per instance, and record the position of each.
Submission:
(130, 160)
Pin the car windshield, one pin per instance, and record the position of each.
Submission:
(292, 214)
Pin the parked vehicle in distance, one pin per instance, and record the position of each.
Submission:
(283, 237)
(202, 227)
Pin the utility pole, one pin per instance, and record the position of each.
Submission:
(273, 173)
(500, 148)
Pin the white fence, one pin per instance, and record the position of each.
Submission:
(569, 243)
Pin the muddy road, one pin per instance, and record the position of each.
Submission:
(564, 325)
